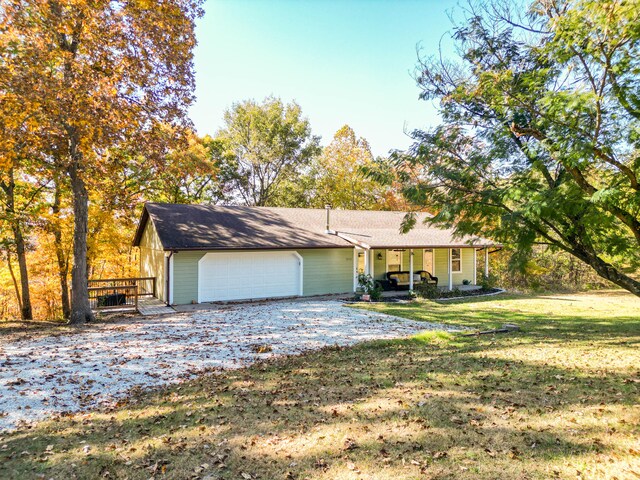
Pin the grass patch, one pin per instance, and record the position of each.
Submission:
(559, 399)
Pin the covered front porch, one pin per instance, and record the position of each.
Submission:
(454, 267)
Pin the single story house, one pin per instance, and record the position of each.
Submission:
(207, 253)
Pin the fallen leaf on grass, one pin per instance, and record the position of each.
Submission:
(349, 444)
(261, 348)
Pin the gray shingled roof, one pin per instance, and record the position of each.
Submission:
(212, 227)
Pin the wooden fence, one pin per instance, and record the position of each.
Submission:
(119, 293)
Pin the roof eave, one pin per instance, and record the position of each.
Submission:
(460, 245)
(314, 247)
(142, 223)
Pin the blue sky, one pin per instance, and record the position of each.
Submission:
(344, 62)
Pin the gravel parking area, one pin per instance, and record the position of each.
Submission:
(72, 372)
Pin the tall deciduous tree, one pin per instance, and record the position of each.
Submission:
(338, 173)
(540, 138)
(189, 174)
(264, 144)
(55, 225)
(102, 74)
(18, 197)
(14, 209)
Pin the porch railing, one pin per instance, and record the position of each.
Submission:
(114, 293)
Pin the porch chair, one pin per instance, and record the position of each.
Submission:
(427, 277)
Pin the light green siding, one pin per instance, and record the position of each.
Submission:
(466, 267)
(324, 271)
(379, 266)
(185, 277)
(327, 270)
(442, 267)
(405, 260)
(417, 259)
(152, 259)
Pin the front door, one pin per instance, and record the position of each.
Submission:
(427, 260)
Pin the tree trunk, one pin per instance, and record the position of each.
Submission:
(609, 272)
(63, 261)
(21, 251)
(80, 308)
(613, 275)
(15, 281)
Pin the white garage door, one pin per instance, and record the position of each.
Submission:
(237, 276)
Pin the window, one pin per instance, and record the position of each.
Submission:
(427, 260)
(394, 260)
(456, 260)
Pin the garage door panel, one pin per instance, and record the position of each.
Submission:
(243, 275)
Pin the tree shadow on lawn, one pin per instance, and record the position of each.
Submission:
(411, 407)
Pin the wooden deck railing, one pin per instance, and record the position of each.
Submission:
(112, 293)
(106, 298)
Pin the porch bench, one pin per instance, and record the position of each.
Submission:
(398, 280)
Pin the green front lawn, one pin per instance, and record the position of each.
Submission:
(558, 399)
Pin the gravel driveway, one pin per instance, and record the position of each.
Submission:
(95, 367)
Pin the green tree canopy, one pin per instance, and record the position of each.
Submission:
(540, 134)
(264, 145)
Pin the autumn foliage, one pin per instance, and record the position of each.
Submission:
(88, 88)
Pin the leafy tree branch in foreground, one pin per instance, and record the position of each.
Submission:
(540, 138)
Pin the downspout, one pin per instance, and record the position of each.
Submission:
(168, 301)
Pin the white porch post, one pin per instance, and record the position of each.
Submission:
(450, 265)
(355, 269)
(365, 253)
(475, 266)
(371, 259)
(486, 262)
(411, 269)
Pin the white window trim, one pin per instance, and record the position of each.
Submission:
(387, 259)
(458, 259)
(433, 259)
